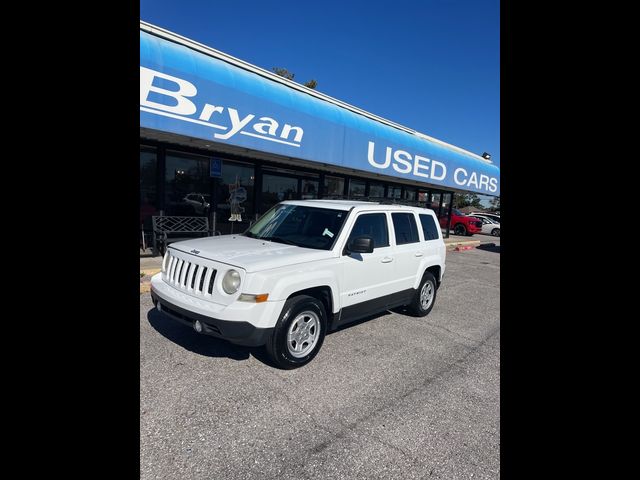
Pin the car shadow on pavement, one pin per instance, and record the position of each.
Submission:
(489, 247)
(197, 343)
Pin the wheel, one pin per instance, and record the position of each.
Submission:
(495, 232)
(460, 229)
(425, 296)
(299, 332)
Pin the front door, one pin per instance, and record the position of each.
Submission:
(368, 278)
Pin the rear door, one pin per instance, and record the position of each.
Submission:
(408, 249)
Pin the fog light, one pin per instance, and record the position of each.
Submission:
(197, 326)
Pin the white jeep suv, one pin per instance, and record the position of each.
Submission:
(303, 269)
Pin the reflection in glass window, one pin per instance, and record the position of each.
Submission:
(333, 186)
(376, 190)
(373, 225)
(429, 228)
(356, 188)
(304, 226)
(409, 194)
(309, 188)
(405, 228)
(148, 192)
(276, 188)
(446, 200)
(234, 202)
(394, 192)
(186, 175)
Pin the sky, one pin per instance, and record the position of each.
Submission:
(430, 65)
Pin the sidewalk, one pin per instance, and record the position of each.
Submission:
(149, 266)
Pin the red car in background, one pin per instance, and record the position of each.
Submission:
(461, 224)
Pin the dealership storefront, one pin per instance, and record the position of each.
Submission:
(224, 139)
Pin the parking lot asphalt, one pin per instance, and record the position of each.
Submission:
(391, 397)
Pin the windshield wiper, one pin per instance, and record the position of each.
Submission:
(249, 234)
(280, 239)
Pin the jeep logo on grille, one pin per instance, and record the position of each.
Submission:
(195, 251)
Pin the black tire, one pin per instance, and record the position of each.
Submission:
(416, 306)
(277, 346)
(495, 232)
(460, 229)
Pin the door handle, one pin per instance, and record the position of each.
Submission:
(387, 260)
(418, 254)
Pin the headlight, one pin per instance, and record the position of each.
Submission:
(231, 282)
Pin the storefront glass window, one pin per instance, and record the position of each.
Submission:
(409, 194)
(148, 190)
(446, 200)
(309, 188)
(276, 188)
(187, 185)
(394, 192)
(376, 190)
(333, 187)
(234, 198)
(356, 188)
(435, 202)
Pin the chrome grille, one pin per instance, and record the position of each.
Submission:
(189, 276)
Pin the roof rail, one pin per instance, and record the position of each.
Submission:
(380, 200)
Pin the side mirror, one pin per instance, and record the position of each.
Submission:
(363, 244)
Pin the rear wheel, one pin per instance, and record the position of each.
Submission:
(425, 296)
(460, 229)
(495, 232)
(299, 333)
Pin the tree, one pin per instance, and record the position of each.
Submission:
(283, 72)
(495, 204)
(461, 200)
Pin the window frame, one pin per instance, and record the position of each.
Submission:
(438, 229)
(415, 224)
(386, 220)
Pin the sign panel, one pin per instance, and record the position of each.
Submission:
(189, 93)
(215, 167)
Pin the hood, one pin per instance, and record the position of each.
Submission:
(251, 254)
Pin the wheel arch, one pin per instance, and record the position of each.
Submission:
(323, 293)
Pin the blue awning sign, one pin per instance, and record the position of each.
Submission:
(189, 93)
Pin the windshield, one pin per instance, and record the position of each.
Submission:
(457, 212)
(303, 226)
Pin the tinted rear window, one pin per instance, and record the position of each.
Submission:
(429, 228)
(405, 226)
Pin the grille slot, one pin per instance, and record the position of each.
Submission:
(190, 276)
(210, 289)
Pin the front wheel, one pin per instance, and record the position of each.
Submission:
(425, 296)
(299, 332)
(460, 229)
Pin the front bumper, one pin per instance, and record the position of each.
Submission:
(242, 323)
(240, 333)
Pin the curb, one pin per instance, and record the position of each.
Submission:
(460, 246)
(145, 280)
